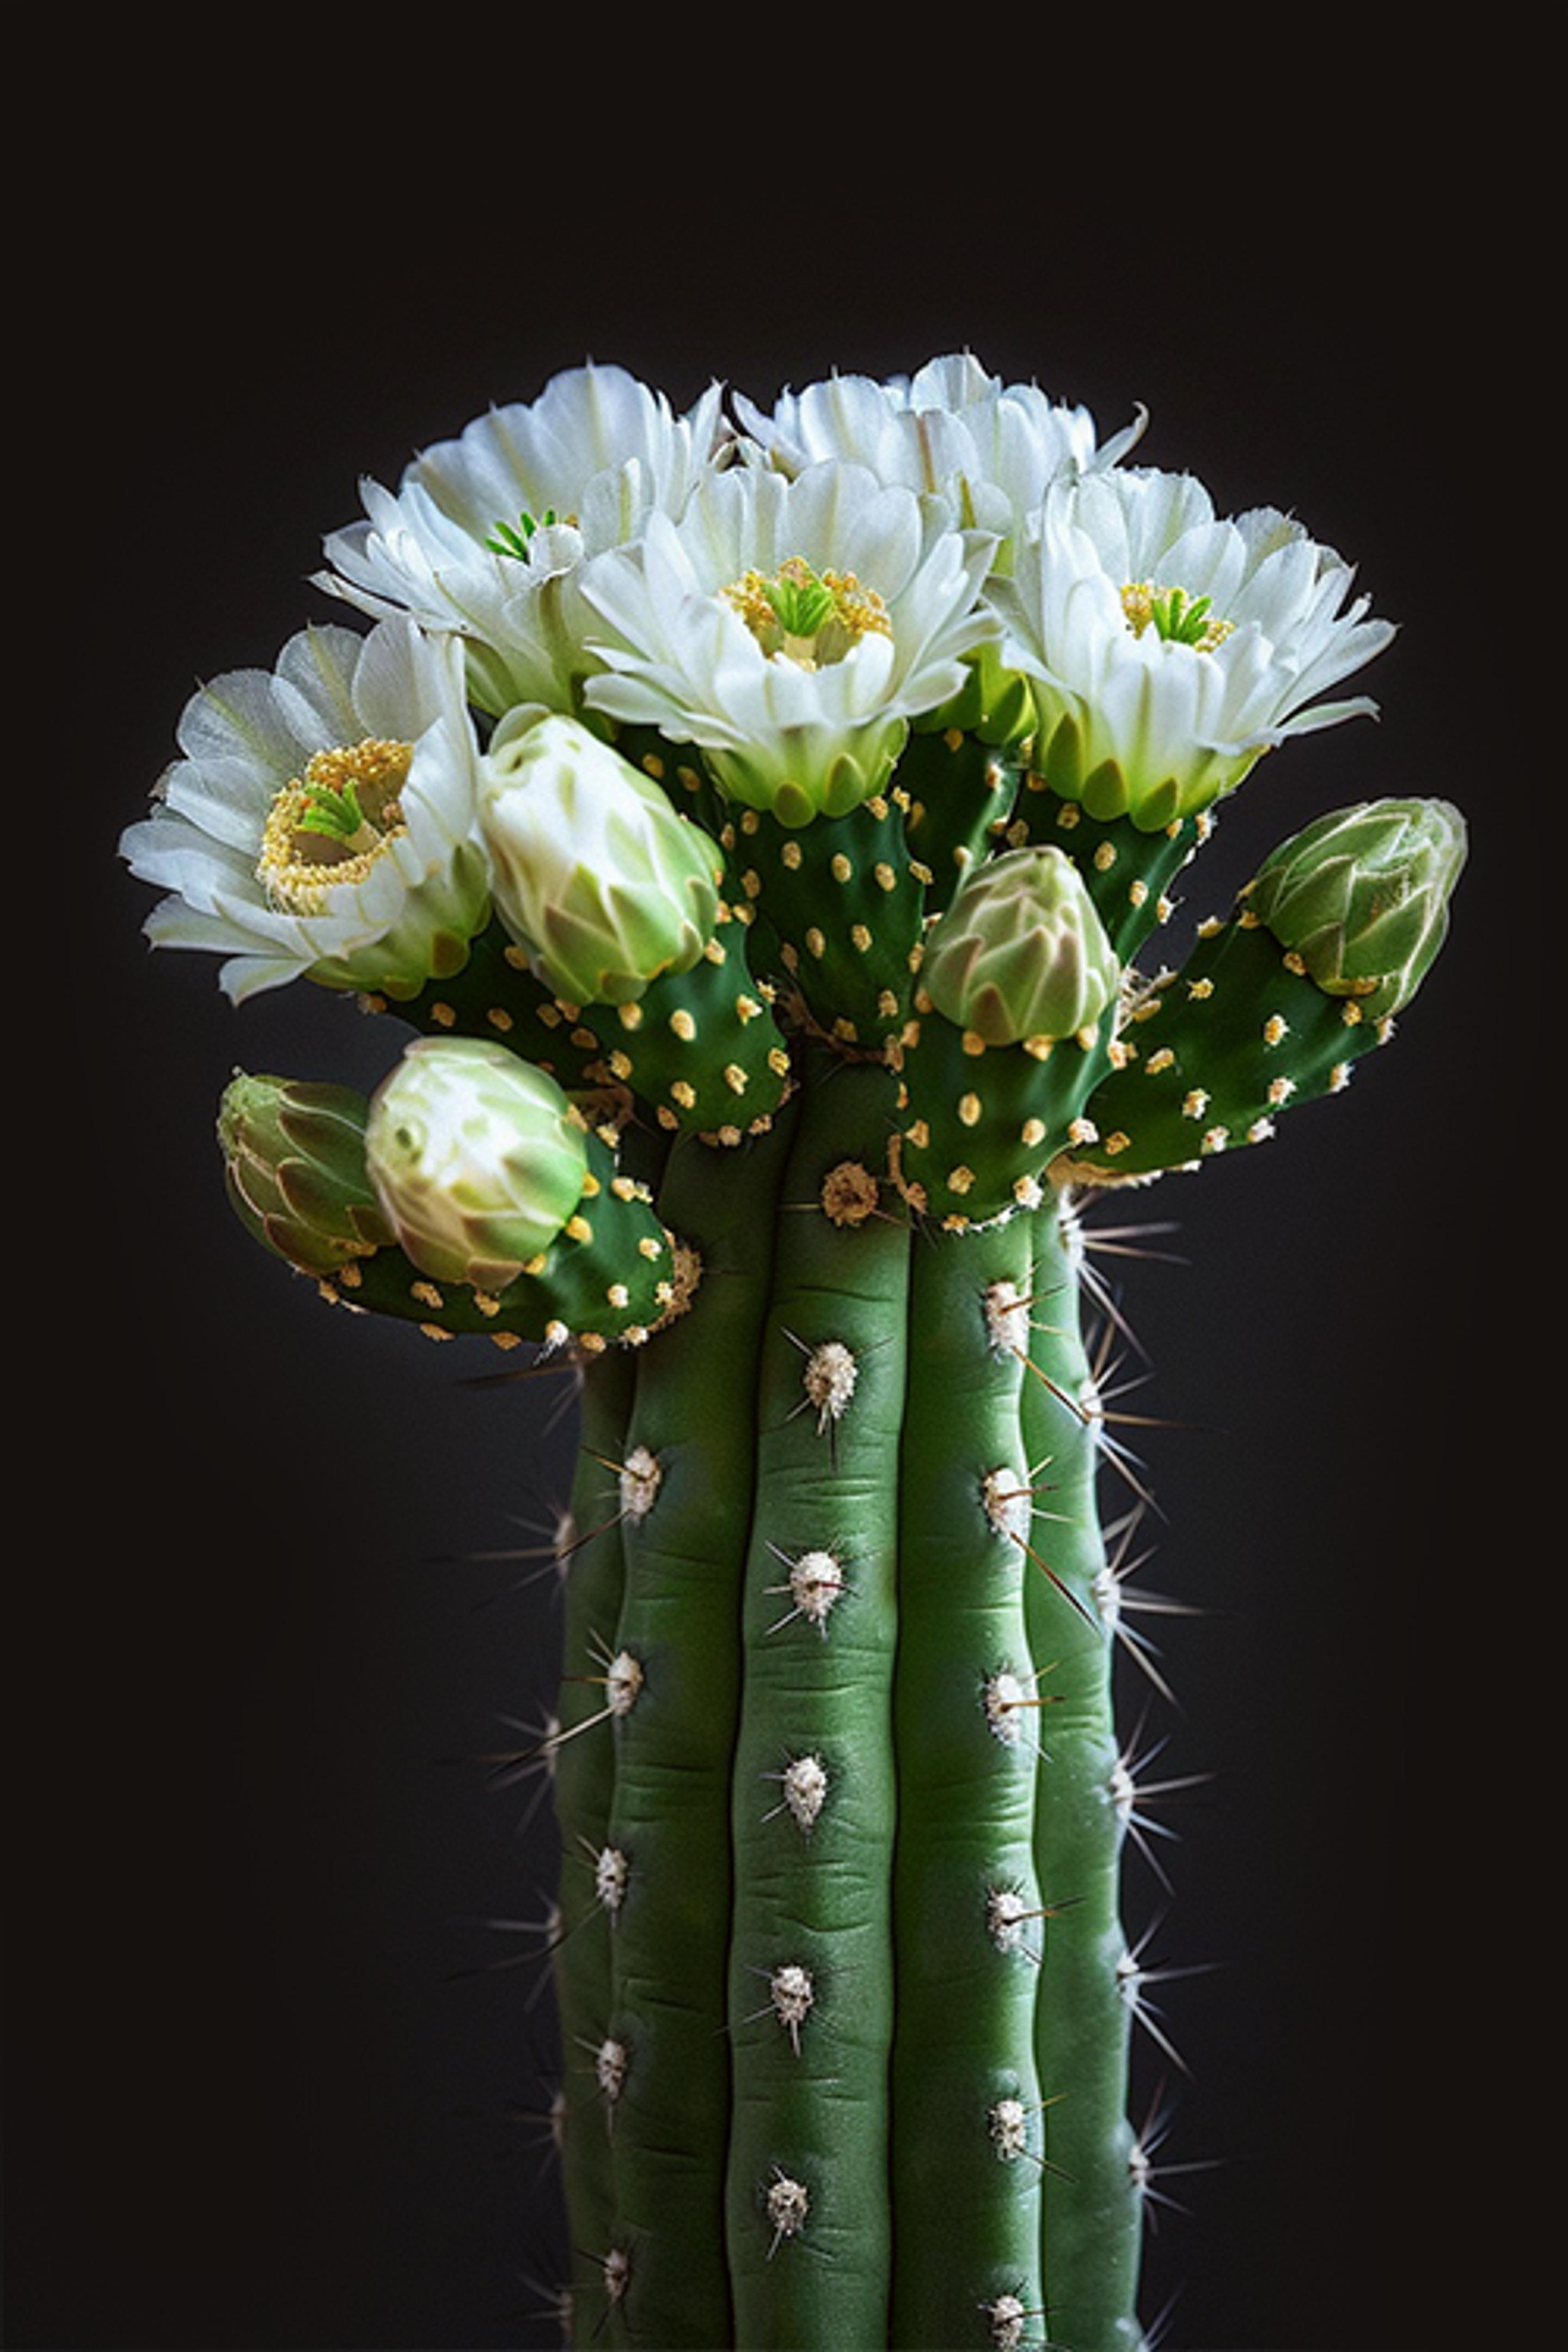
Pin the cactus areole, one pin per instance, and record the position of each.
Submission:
(765, 822)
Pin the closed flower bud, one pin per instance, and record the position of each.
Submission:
(294, 1163)
(601, 882)
(477, 1159)
(1362, 897)
(1020, 951)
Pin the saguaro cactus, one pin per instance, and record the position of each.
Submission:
(762, 823)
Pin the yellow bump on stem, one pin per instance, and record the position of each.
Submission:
(884, 874)
(682, 1023)
(849, 1193)
(1194, 1102)
(578, 1229)
(1280, 1090)
(684, 1093)
(736, 1078)
(860, 938)
(428, 1294)
(1198, 991)
(443, 1016)
(792, 854)
(971, 1110)
(630, 1015)
(1275, 1028)
(815, 943)
(840, 868)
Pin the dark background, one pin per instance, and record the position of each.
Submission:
(269, 2083)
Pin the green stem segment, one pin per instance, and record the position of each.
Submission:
(1092, 2218)
(842, 2001)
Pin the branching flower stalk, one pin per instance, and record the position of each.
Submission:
(764, 824)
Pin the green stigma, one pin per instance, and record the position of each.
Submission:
(810, 618)
(512, 539)
(1174, 615)
(336, 811)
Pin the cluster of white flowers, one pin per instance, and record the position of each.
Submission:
(784, 590)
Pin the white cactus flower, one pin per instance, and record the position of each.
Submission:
(1170, 646)
(486, 533)
(791, 628)
(991, 448)
(322, 818)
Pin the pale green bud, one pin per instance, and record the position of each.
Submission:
(1362, 897)
(477, 1159)
(293, 1154)
(601, 882)
(1021, 951)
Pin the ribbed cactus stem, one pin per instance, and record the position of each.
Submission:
(1092, 2210)
(811, 1971)
(687, 1483)
(580, 1756)
(967, 2123)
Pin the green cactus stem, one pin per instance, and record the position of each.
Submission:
(684, 1477)
(811, 1968)
(1091, 2222)
(971, 1700)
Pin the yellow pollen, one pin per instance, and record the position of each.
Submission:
(299, 865)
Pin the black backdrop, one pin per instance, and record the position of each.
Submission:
(265, 2084)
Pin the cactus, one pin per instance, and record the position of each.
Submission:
(764, 860)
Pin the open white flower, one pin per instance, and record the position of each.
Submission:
(486, 533)
(991, 447)
(1170, 646)
(791, 628)
(322, 817)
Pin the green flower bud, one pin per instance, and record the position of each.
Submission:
(1020, 951)
(1362, 897)
(477, 1159)
(294, 1165)
(599, 881)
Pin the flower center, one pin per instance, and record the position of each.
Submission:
(810, 617)
(330, 825)
(1183, 620)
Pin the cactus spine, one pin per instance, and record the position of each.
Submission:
(799, 1020)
